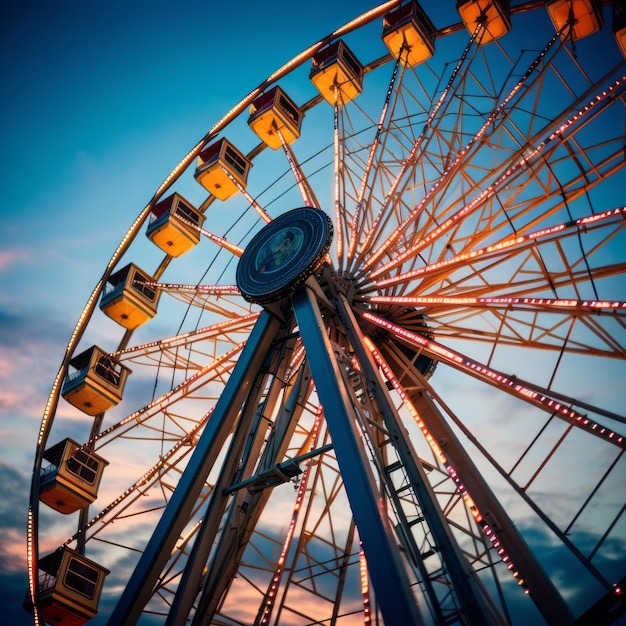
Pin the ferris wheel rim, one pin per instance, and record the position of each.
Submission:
(169, 181)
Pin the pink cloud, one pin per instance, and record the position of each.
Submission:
(7, 257)
(13, 553)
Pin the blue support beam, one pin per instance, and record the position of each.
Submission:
(471, 599)
(176, 515)
(387, 571)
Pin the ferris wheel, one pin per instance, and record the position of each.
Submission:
(360, 359)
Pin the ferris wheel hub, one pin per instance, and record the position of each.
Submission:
(284, 254)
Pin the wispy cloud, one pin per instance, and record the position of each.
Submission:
(10, 256)
(13, 505)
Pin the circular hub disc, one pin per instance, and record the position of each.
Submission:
(283, 255)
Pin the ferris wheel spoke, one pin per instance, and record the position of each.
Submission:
(428, 414)
(508, 383)
(539, 281)
(223, 300)
(487, 193)
(498, 113)
(341, 226)
(137, 490)
(214, 371)
(220, 241)
(523, 322)
(515, 303)
(168, 352)
(612, 220)
(520, 332)
(530, 278)
(357, 222)
(262, 213)
(306, 191)
(206, 290)
(438, 109)
(352, 129)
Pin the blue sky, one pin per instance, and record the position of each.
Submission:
(100, 102)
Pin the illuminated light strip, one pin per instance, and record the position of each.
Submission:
(597, 217)
(453, 165)
(498, 379)
(208, 331)
(145, 413)
(183, 540)
(263, 214)
(572, 228)
(211, 290)
(231, 247)
(182, 165)
(409, 160)
(500, 301)
(441, 457)
(388, 372)
(365, 588)
(337, 193)
(305, 191)
(487, 530)
(53, 397)
(33, 578)
(354, 228)
(484, 195)
(366, 17)
(270, 595)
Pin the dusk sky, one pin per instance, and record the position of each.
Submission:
(100, 103)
